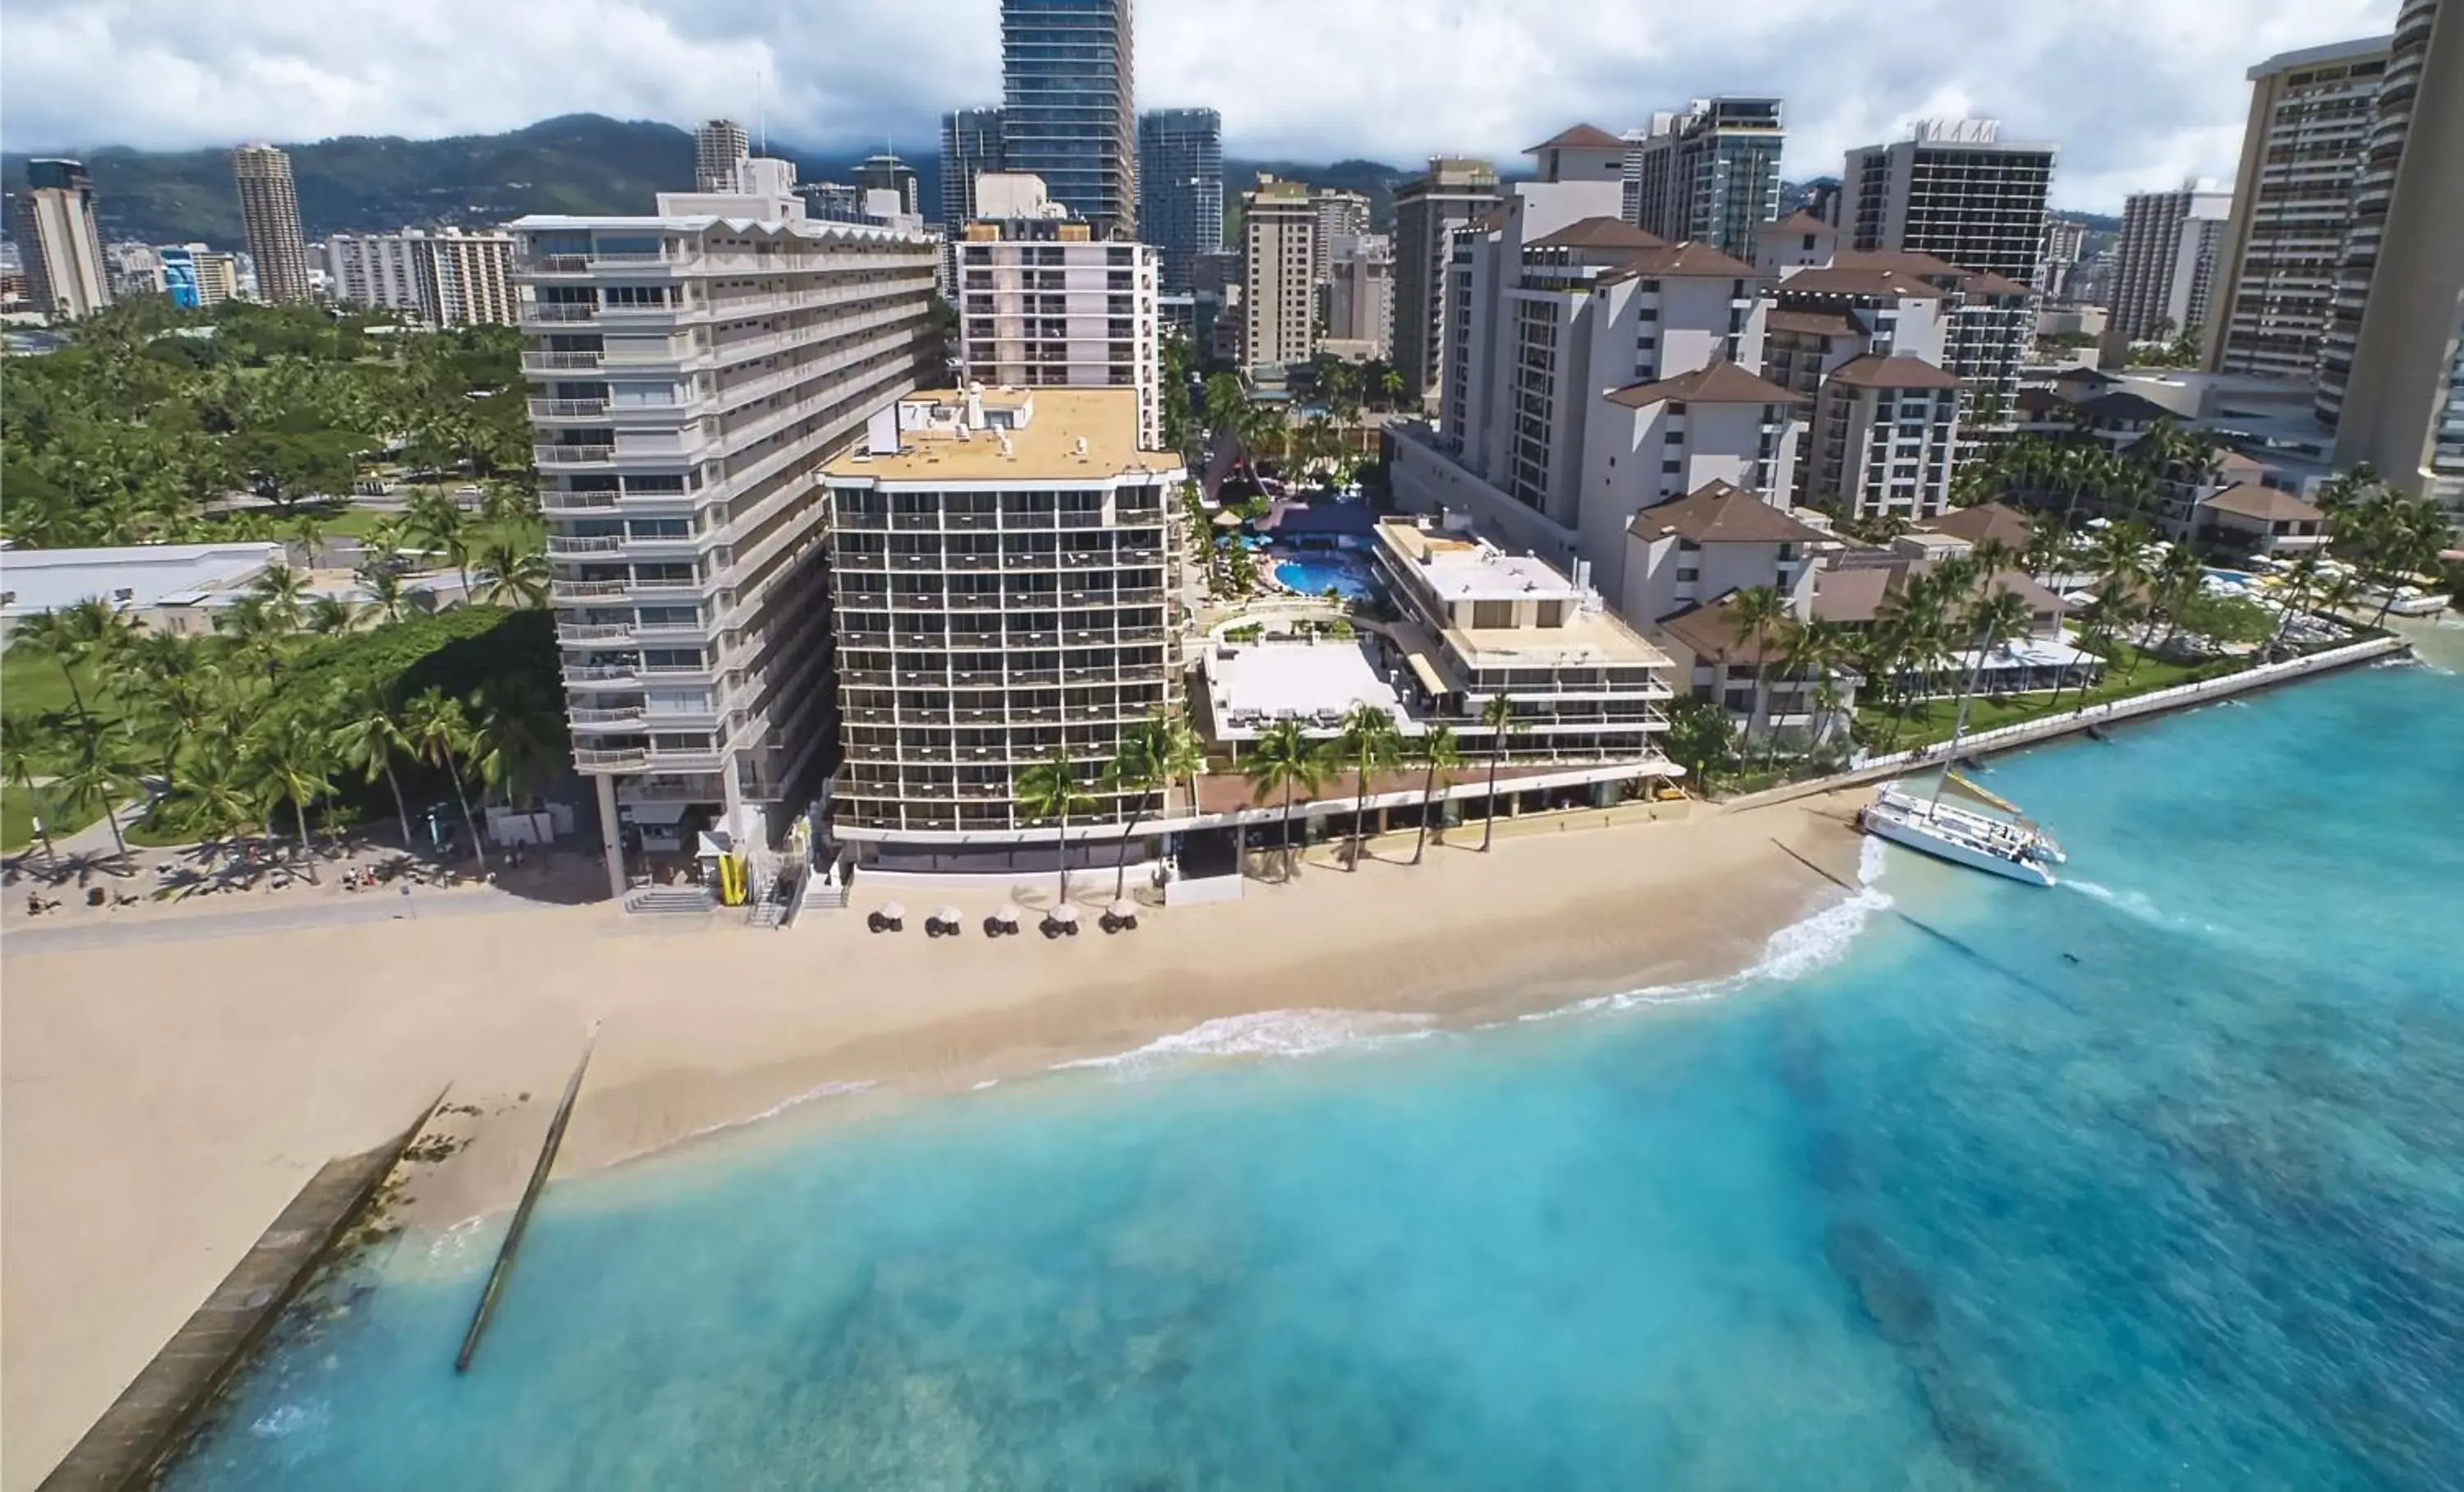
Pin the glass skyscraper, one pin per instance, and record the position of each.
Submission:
(1067, 81)
(971, 145)
(1180, 188)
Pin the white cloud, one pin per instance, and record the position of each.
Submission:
(2140, 93)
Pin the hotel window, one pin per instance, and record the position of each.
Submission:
(1492, 614)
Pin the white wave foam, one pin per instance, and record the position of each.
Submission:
(827, 1090)
(2137, 905)
(455, 1241)
(284, 1420)
(1299, 1033)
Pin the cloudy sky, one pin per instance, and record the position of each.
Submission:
(2139, 93)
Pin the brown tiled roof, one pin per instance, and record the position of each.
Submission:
(2037, 399)
(1985, 282)
(2246, 467)
(1910, 261)
(1711, 630)
(1812, 323)
(1800, 221)
(1716, 383)
(1891, 372)
(1601, 233)
(1685, 258)
(2026, 588)
(1718, 513)
(1986, 520)
(1837, 280)
(1853, 595)
(2266, 504)
(1583, 136)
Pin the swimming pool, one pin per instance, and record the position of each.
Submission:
(1311, 575)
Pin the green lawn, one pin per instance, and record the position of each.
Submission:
(350, 522)
(1932, 721)
(17, 817)
(33, 684)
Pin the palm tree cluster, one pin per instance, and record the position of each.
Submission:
(2081, 469)
(2390, 540)
(151, 418)
(221, 737)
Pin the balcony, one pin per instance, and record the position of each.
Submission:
(588, 634)
(566, 457)
(630, 759)
(561, 546)
(587, 589)
(560, 311)
(601, 676)
(561, 362)
(627, 715)
(579, 503)
(569, 409)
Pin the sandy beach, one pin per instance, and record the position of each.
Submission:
(162, 1099)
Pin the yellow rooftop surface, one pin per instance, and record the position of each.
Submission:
(1044, 448)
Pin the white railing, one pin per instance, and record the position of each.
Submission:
(587, 589)
(560, 311)
(554, 362)
(633, 757)
(579, 502)
(586, 544)
(594, 631)
(615, 717)
(567, 409)
(573, 455)
(600, 673)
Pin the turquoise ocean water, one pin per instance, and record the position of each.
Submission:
(2152, 1180)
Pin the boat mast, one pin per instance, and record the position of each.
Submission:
(1959, 726)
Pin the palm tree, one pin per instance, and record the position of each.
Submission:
(2178, 582)
(387, 598)
(1436, 752)
(1816, 650)
(516, 572)
(514, 736)
(440, 734)
(1755, 612)
(328, 615)
(20, 746)
(1050, 789)
(1282, 759)
(211, 787)
(366, 736)
(97, 773)
(1996, 616)
(84, 630)
(281, 591)
(2300, 581)
(1498, 715)
(1155, 752)
(1368, 742)
(287, 762)
(437, 522)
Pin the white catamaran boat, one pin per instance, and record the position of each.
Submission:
(2014, 848)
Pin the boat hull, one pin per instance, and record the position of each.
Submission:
(1900, 832)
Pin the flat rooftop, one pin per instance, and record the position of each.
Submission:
(1460, 569)
(1059, 434)
(1252, 685)
(130, 577)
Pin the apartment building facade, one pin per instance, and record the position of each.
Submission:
(971, 145)
(62, 248)
(1428, 209)
(1068, 105)
(269, 212)
(2165, 266)
(1180, 190)
(1278, 284)
(2303, 147)
(1360, 297)
(689, 371)
(1004, 562)
(2404, 411)
(1340, 216)
(719, 147)
(1042, 304)
(1955, 190)
(451, 277)
(1707, 173)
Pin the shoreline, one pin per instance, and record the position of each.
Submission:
(187, 1090)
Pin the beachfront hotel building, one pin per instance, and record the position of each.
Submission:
(1593, 371)
(1004, 562)
(1955, 190)
(1428, 209)
(56, 232)
(2302, 149)
(1042, 304)
(689, 371)
(2404, 410)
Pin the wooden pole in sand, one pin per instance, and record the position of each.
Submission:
(513, 1244)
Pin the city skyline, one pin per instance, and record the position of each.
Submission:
(2128, 118)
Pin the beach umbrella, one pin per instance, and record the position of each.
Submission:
(1007, 914)
(948, 916)
(1227, 520)
(1126, 910)
(1065, 914)
(892, 913)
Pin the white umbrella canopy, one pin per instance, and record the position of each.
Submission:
(1006, 914)
(1125, 910)
(892, 911)
(1065, 914)
(949, 915)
